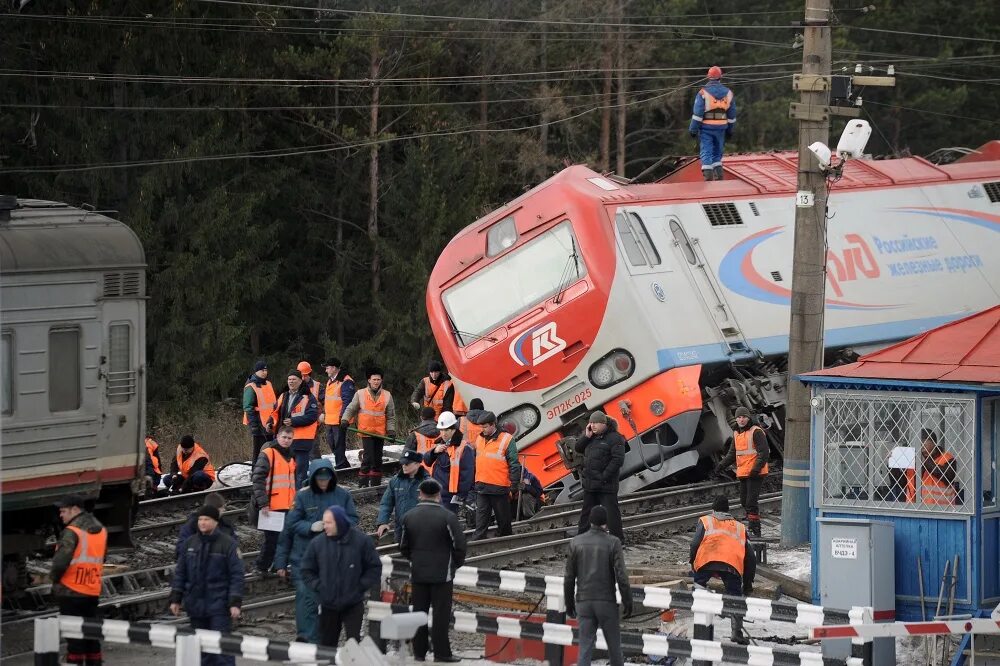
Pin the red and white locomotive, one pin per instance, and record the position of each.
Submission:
(666, 304)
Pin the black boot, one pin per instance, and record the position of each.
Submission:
(707, 173)
(755, 528)
(738, 636)
(718, 172)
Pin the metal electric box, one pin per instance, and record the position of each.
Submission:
(857, 568)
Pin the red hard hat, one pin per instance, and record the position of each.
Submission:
(305, 368)
(715, 72)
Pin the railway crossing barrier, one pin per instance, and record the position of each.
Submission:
(705, 606)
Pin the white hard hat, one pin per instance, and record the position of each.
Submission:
(446, 421)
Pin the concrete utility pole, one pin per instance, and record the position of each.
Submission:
(808, 268)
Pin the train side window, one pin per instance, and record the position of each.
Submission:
(65, 368)
(681, 237)
(121, 380)
(7, 371)
(635, 240)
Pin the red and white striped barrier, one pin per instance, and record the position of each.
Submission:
(897, 629)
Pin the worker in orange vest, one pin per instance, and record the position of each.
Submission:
(273, 480)
(333, 401)
(421, 439)
(938, 472)
(451, 460)
(712, 122)
(497, 470)
(719, 549)
(154, 467)
(258, 405)
(297, 407)
(750, 450)
(435, 390)
(310, 384)
(77, 567)
(191, 470)
(469, 424)
(376, 414)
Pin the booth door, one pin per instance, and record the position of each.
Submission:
(989, 443)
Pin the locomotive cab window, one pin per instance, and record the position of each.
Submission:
(7, 371)
(636, 243)
(65, 369)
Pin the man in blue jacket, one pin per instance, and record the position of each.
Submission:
(402, 493)
(340, 567)
(302, 524)
(208, 581)
(712, 122)
(452, 462)
(191, 526)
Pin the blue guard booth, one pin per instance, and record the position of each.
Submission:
(909, 435)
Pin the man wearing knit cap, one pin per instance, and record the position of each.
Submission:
(719, 549)
(751, 452)
(436, 390)
(603, 449)
(258, 405)
(297, 407)
(596, 564)
(208, 581)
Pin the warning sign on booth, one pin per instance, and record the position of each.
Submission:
(844, 549)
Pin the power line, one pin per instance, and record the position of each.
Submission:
(916, 34)
(933, 113)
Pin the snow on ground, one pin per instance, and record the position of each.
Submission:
(794, 562)
(236, 474)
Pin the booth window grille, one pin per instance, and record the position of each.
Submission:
(898, 451)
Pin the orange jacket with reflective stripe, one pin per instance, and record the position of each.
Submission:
(458, 406)
(469, 429)
(724, 541)
(280, 482)
(84, 572)
(371, 412)
(715, 109)
(265, 401)
(333, 401)
(933, 490)
(151, 449)
(424, 444)
(746, 454)
(197, 453)
(491, 460)
(301, 432)
(434, 395)
(454, 471)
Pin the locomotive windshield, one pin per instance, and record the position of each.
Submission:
(527, 276)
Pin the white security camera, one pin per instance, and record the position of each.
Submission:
(822, 153)
(854, 139)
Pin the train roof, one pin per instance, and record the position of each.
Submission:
(45, 235)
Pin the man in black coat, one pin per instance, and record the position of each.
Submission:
(603, 449)
(434, 543)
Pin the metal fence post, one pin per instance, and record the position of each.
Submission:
(188, 648)
(47, 641)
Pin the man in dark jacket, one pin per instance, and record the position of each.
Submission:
(603, 449)
(191, 470)
(190, 528)
(76, 573)
(452, 461)
(434, 543)
(208, 580)
(497, 471)
(258, 403)
(749, 449)
(426, 432)
(401, 495)
(436, 390)
(304, 418)
(719, 549)
(273, 479)
(333, 401)
(595, 565)
(302, 525)
(340, 567)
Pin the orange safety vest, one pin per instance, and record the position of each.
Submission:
(371, 416)
(715, 109)
(83, 575)
(724, 541)
(424, 444)
(455, 470)
(265, 401)
(151, 449)
(197, 454)
(434, 395)
(280, 488)
(746, 454)
(491, 459)
(301, 432)
(314, 388)
(333, 402)
(470, 430)
(933, 491)
(458, 406)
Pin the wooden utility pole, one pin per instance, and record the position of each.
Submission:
(808, 268)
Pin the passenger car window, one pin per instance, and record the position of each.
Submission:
(7, 371)
(64, 369)
(121, 381)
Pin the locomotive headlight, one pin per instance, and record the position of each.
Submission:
(520, 421)
(501, 236)
(615, 366)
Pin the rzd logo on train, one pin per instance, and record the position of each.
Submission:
(542, 343)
